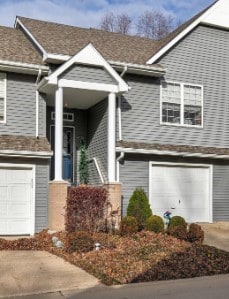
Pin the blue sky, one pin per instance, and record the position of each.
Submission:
(88, 13)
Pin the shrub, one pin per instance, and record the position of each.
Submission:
(128, 226)
(195, 233)
(179, 232)
(177, 221)
(79, 241)
(83, 164)
(86, 209)
(139, 207)
(155, 224)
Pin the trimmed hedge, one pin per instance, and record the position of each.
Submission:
(139, 208)
(155, 224)
(128, 226)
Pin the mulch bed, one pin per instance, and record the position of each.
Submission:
(144, 256)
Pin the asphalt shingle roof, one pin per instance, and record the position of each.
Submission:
(68, 40)
(14, 46)
(24, 143)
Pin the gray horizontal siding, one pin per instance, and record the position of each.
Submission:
(20, 105)
(42, 115)
(87, 74)
(200, 58)
(134, 173)
(97, 139)
(221, 192)
(41, 196)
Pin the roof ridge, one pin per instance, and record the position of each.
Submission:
(90, 29)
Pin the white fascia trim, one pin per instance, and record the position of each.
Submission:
(26, 154)
(170, 153)
(50, 57)
(149, 70)
(88, 86)
(22, 67)
(31, 36)
(182, 34)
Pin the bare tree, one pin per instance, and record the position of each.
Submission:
(120, 23)
(108, 22)
(154, 24)
(123, 23)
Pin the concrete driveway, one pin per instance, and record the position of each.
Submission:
(33, 272)
(217, 234)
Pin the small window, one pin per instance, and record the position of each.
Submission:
(2, 97)
(66, 116)
(182, 104)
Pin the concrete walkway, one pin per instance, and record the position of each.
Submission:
(217, 234)
(33, 272)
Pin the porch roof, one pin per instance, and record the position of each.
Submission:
(24, 145)
(172, 150)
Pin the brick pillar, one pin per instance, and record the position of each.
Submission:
(115, 199)
(57, 202)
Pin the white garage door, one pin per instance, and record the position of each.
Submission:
(15, 201)
(185, 191)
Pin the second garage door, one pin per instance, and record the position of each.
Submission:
(183, 190)
(16, 201)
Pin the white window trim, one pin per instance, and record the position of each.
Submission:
(68, 120)
(207, 166)
(182, 84)
(4, 80)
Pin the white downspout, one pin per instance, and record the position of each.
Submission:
(121, 156)
(37, 103)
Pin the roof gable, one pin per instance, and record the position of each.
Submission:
(89, 56)
(216, 14)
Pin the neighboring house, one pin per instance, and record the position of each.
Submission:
(153, 114)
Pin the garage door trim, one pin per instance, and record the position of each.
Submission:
(33, 188)
(208, 166)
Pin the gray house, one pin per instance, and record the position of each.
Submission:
(153, 114)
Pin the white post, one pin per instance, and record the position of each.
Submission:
(58, 133)
(111, 137)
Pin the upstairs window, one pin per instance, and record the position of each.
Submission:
(2, 97)
(182, 104)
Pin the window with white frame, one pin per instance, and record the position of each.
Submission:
(182, 103)
(66, 116)
(2, 97)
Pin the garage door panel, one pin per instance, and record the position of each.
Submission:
(15, 201)
(184, 190)
(3, 193)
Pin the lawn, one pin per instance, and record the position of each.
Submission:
(144, 256)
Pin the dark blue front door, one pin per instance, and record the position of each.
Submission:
(68, 133)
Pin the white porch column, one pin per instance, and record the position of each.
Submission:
(58, 133)
(111, 137)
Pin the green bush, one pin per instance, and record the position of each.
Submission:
(155, 224)
(177, 221)
(80, 241)
(128, 226)
(195, 233)
(179, 232)
(139, 208)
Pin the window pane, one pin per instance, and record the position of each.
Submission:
(171, 93)
(171, 113)
(192, 95)
(192, 115)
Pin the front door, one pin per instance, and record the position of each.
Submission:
(68, 159)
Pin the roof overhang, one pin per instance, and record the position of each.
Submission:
(216, 15)
(25, 154)
(169, 153)
(25, 68)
